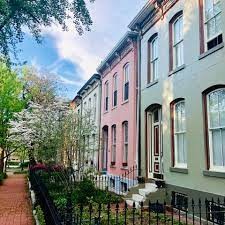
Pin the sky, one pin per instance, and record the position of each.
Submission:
(74, 58)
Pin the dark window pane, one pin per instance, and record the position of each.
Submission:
(115, 98)
(214, 42)
(106, 103)
(126, 91)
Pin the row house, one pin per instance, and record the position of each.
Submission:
(118, 109)
(87, 104)
(182, 96)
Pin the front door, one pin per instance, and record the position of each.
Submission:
(105, 149)
(154, 135)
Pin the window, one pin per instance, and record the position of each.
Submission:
(215, 212)
(115, 87)
(176, 41)
(153, 59)
(106, 96)
(126, 82)
(216, 128)
(85, 105)
(89, 103)
(179, 133)
(113, 156)
(95, 106)
(180, 201)
(125, 140)
(213, 23)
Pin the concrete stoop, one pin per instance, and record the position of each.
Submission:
(144, 193)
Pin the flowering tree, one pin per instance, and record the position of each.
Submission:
(52, 133)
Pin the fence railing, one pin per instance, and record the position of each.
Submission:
(52, 217)
(119, 184)
(148, 213)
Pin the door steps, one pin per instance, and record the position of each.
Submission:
(144, 193)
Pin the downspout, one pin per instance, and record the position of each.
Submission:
(100, 112)
(139, 105)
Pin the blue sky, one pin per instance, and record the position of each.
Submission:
(74, 58)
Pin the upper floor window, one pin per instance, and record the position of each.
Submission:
(153, 59)
(213, 23)
(95, 106)
(179, 133)
(113, 156)
(89, 103)
(85, 105)
(176, 41)
(126, 82)
(125, 143)
(115, 90)
(216, 128)
(106, 96)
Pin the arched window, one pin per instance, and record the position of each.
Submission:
(113, 155)
(178, 123)
(126, 73)
(176, 37)
(115, 90)
(106, 96)
(215, 112)
(153, 59)
(125, 143)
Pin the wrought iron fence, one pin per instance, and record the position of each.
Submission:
(143, 213)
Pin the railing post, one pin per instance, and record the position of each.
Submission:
(69, 209)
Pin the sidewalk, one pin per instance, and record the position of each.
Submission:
(15, 208)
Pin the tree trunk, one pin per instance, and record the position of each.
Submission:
(2, 160)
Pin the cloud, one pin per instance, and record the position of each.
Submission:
(110, 20)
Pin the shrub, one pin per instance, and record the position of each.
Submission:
(40, 215)
(1, 178)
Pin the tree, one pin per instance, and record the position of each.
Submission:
(39, 88)
(11, 102)
(34, 14)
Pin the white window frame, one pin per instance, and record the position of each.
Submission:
(210, 129)
(113, 156)
(125, 142)
(179, 42)
(175, 136)
(106, 96)
(126, 80)
(154, 60)
(115, 88)
(95, 105)
(206, 24)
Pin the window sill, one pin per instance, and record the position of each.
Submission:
(124, 102)
(106, 112)
(152, 83)
(114, 107)
(209, 173)
(113, 166)
(179, 170)
(209, 52)
(177, 70)
(124, 168)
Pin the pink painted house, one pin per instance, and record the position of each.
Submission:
(119, 107)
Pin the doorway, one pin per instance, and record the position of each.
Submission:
(154, 143)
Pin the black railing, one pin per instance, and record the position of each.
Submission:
(139, 213)
(51, 214)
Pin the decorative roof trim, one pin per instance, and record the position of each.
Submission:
(130, 35)
(142, 15)
(88, 83)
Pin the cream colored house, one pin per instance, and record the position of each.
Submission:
(182, 89)
(88, 103)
